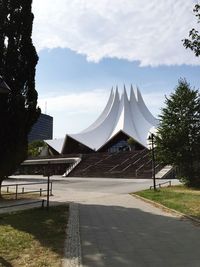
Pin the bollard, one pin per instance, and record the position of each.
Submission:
(22, 190)
(51, 193)
(7, 189)
(40, 192)
(48, 181)
(16, 191)
(43, 203)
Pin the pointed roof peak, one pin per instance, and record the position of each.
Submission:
(132, 94)
(129, 115)
(125, 93)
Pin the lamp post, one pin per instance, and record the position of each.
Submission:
(151, 139)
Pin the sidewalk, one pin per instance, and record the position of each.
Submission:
(122, 231)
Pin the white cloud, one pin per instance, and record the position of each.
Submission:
(148, 31)
(74, 112)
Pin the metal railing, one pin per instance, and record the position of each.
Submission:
(160, 184)
(72, 167)
(25, 203)
(20, 189)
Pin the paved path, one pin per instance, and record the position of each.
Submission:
(118, 230)
(122, 231)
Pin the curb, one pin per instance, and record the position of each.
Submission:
(158, 205)
(72, 251)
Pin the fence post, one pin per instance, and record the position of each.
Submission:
(16, 191)
(40, 192)
(48, 181)
(7, 189)
(51, 189)
(22, 190)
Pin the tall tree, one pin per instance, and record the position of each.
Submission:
(178, 137)
(194, 36)
(18, 59)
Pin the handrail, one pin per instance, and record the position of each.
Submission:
(114, 167)
(16, 193)
(125, 161)
(159, 185)
(71, 167)
(136, 161)
(87, 167)
(21, 204)
(128, 166)
(138, 169)
(5, 185)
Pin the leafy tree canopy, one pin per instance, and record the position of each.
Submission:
(178, 136)
(18, 59)
(34, 148)
(194, 36)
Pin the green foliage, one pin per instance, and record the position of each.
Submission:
(18, 58)
(178, 138)
(194, 42)
(131, 141)
(34, 148)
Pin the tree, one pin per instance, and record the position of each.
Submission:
(35, 148)
(131, 143)
(194, 42)
(178, 136)
(18, 59)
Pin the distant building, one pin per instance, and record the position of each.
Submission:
(42, 129)
(123, 118)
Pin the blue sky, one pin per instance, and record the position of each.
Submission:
(87, 47)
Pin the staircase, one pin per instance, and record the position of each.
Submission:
(129, 164)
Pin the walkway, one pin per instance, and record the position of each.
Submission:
(122, 231)
(118, 230)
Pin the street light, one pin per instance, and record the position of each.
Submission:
(4, 88)
(151, 139)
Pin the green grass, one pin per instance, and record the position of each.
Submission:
(33, 238)
(180, 198)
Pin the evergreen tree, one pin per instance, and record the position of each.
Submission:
(178, 137)
(194, 42)
(18, 59)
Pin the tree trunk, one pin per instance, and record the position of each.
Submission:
(1, 181)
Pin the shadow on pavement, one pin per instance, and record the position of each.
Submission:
(114, 236)
(4, 263)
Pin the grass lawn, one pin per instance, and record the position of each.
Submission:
(180, 198)
(33, 238)
(6, 198)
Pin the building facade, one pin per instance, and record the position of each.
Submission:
(42, 129)
(122, 118)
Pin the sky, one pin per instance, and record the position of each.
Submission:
(86, 47)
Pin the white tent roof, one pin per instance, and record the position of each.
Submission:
(130, 116)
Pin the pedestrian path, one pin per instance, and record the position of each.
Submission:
(122, 231)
